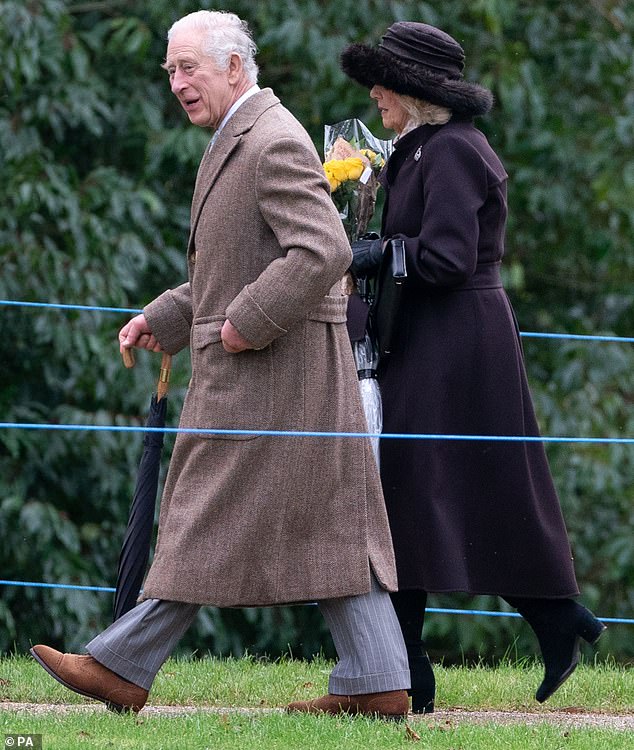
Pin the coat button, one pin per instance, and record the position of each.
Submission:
(192, 257)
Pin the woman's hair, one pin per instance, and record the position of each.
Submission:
(423, 113)
(225, 34)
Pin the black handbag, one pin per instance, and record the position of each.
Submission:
(388, 295)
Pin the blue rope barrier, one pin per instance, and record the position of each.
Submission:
(436, 610)
(73, 587)
(135, 311)
(494, 613)
(300, 433)
(59, 306)
(578, 337)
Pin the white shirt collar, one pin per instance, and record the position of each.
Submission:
(234, 108)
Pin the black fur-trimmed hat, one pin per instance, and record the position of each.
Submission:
(418, 60)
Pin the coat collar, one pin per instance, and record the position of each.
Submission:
(409, 145)
(404, 148)
(246, 116)
(416, 137)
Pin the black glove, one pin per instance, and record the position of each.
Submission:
(367, 252)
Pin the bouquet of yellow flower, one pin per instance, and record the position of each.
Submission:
(353, 159)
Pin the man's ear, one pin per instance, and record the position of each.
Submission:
(235, 69)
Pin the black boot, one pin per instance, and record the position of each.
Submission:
(559, 625)
(423, 690)
(410, 610)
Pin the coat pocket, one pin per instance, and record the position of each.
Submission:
(227, 391)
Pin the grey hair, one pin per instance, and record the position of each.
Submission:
(225, 35)
(422, 113)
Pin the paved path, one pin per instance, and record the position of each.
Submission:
(571, 717)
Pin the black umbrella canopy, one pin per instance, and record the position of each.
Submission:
(135, 551)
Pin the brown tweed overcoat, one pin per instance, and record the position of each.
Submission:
(259, 520)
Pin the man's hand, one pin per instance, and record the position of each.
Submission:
(137, 333)
(232, 339)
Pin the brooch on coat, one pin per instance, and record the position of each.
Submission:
(418, 153)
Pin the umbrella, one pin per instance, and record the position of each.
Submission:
(135, 551)
(366, 357)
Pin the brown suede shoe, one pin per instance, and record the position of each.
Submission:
(392, 704)
(88, 677)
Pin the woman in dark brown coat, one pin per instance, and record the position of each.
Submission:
(481, 517)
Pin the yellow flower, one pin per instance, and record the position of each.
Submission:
(354, 167)
(339, 170)
(376, 160)
(334, 182)
(342, 170)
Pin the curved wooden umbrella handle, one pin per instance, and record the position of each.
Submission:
(128, 357)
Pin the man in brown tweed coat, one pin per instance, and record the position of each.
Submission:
(257, 519)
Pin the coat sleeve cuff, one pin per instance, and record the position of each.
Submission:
(169, 317)
(251, 320)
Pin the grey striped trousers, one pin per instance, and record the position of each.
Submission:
(365, 631)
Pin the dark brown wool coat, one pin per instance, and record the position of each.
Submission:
(266, 520)
(479, 517)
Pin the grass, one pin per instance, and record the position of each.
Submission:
(258, 684)
(277, 732)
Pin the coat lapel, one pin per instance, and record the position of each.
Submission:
(228, 140)
(210, 167)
